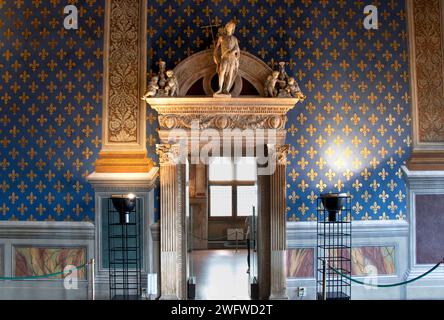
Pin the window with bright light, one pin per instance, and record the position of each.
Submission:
(232, 187)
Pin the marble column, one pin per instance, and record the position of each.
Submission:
(278, 277)
(172, 223)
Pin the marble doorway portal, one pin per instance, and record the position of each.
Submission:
(243, 113)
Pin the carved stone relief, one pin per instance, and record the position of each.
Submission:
(124, 66)
(429, 69)
(221, 122)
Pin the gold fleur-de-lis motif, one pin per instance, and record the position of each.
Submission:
(357, 99)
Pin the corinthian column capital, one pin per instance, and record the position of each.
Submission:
(169, 154)
(279, 153)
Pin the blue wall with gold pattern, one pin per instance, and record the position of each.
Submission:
(352, 134)
(50, 109)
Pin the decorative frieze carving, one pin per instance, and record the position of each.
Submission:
(124, 68)
(428, 67)
(221, 122)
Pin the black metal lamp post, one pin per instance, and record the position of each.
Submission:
(125, 247)
(124, 204)
(334, 203)
(334, 246)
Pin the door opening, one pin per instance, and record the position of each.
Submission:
(223, 264)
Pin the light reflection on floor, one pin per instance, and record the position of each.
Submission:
(221, 274)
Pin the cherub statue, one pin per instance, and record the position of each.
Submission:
(280, 84)
(172, 85)
(293, 89)
(270, 84)
(153, 87)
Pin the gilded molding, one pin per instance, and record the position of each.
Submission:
(428, 69)
(124, 67)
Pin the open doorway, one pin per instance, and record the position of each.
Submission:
(223, 262)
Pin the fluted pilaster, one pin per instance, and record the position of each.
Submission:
(172, 179)
(278, 222)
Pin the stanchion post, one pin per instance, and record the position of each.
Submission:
(93, 280)
(324, 281)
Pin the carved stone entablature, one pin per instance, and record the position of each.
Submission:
(242, 113)
(227, 121)
(230, 113)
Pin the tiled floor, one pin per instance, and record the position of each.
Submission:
(221, 275)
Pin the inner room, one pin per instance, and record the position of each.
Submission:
(223, 204)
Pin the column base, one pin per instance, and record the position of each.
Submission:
(123, 162)
(168, 297)
(282, 296)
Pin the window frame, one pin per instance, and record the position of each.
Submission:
(234, 184)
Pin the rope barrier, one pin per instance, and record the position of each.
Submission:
(43, 276)
(221, 238)
(387, 285)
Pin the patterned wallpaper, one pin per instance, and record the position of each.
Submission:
(352, 134)
(50, 109)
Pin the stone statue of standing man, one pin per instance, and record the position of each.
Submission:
(227, 56)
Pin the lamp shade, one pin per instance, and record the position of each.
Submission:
(333, 203)
(124, 204)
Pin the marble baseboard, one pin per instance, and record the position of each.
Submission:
(31, 248)
(377, 245)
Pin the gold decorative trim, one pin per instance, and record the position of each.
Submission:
(124, 66)
(426, 55)
(123, 162)
(124, 79)
(426, 161)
